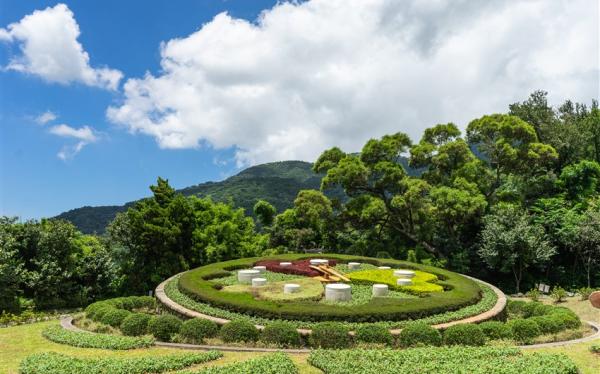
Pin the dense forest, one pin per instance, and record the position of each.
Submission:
(514, 199)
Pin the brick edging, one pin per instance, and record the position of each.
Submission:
(487, 315)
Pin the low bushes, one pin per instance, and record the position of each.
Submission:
(524, 330)
(55, 363)
(374, 334)
(195, 330)
(419, 334)
(135, 324)
(114, 317)
(277, 363)
(239, 331)
(464, 334)
(446, 360)
(57, 334)
(549, 324)
(595, 349)
(495, 330)
(282, 334)
(330, 335)
(164, 327)
(558, 294)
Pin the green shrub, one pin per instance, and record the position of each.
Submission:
(440, 360)
(568, 319)
(558, 294)
(59, 335)
(495, 330)
(56, 363)
(239, 331)
(541, 310)
(534, 294)
(585, 293)
(101, 311)
(524, 330)
(419, 334)
(135, 324)
(276, 363)
(144, 302)
(515, 307)
(164, 327)
(549, 324)
(528, 309)
(196, 330)
(374, 334)
(330, 335)
(595, 349)
(114, 317)
(283, 334)
(464, 334)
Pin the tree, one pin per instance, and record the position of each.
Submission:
(510, 242)
(588, 240)
(580, 180)
(265, 212)
(11, 268)
(510, 145)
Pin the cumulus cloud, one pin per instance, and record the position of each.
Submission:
(307, 76)
(85, 135)
(49, 49)
(45, 117)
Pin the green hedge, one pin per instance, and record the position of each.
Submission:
(283, 334)
(374, 334)
(60, 335)
(276, 363)
(330, 335)
(135, 324)
(486, 303)
(55, 363)
(164, 327)
(239, 331)
(464, 334)
(461, 292)
(195, 330)
(446, 360)
(419, 334)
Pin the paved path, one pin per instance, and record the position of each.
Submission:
(497, 309)
(595, 336)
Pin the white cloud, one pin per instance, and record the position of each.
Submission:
(85, 135)
(50, 49)
(45, 117)
(308, 76)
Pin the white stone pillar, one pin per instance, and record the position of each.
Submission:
(338, 292)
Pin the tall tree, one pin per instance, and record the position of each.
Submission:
(510, 242)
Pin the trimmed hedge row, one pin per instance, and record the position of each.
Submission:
(461, 292)
(276, 363)
(445, 360)
(55, 363)
(486, 303)
(57, 334)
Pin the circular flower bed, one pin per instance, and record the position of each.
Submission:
(439, 291)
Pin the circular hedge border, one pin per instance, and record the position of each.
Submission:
(460, 291)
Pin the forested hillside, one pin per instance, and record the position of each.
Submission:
(276, 182)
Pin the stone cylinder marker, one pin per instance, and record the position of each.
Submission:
(353, 265)
(319, 261)
(403, 282)
(407, 274)
(338, 292)
(246, 276)
(261, 269)
(380, 290)
(258, 282)
(291, 288)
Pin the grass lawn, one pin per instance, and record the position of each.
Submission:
(21, 341)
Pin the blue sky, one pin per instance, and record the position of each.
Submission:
(119, 167)
(132, 90)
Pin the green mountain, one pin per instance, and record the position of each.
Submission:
(276, 182)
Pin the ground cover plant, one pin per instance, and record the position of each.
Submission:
(423, 282)
(55, 363)
(172, 291)
(85, 339)
(310, 289)
(445, 360)
(461, 292)
(276, 363)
